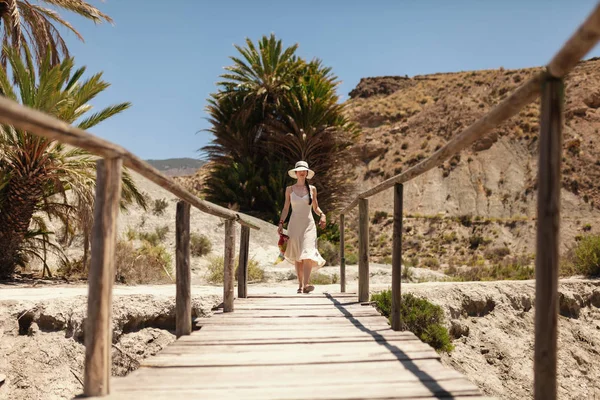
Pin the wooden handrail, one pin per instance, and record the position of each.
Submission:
(38, 123)
(580, 43)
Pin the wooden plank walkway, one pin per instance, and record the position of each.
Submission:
(295, 347)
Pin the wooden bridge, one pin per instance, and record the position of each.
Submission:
(295, 347)
(310, 346)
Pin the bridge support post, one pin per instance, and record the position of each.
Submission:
(243, 262)
(548, 223)
(228, 261)
(183, 297)
(98, 325)
(397, 257)
(342, 254)
(363, 250)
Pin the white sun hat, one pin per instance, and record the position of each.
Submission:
(301, 166)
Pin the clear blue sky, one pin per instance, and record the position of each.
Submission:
(165, 57)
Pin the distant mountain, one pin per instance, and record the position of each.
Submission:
(177, 166)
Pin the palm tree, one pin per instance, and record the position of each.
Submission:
(26, 23)
(311, 126)
(273, 109)
(262, 75)
(39, 174)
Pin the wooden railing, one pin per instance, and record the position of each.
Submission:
(98, 328)
(549, 84)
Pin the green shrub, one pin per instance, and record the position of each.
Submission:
(131, 234)
(431, 263)
(159, 207)
(496, 254)
(448, 238)
(351, 259)
(161, 232)
(477, 240)
(318, 278)
(407, 273)
(379, 216)
(465, 220)
(584, 258)
(255, 272)
(154, 238)
(419, 316)
(147, 264)
(200, 245)
(329, 252)
(331, 233)
(511, 268)
(215, 272)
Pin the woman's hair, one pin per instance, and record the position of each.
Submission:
(309, 195)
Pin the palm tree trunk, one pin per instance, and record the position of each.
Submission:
(20, 198)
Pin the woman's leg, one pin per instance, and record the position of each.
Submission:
(299, 274)
(307, 265)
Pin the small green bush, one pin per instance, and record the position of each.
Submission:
(511, 268)
(147, 264)
(496, 254)
(407, 273)
(318, 278)
(379, 216)
(584, 258)
(351, 259)
(475, 241)
(200, 245)
(154, 238)
(216, 274)
(255, 272)
(465, 220)
(329, 252)
(159, 207)
(331, 233)
(431, 263)
(419, 316)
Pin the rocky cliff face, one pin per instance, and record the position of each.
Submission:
(404, 120)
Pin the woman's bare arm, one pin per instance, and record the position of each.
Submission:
(316, 209)
(286, 209)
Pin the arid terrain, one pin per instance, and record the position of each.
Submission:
(477, 210)
(41, 350)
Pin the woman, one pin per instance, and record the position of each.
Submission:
(302, 243)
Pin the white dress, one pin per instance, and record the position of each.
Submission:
(302, 232)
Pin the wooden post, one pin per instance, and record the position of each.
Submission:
(183, 297)
(397, 257)
(243, 263)
(546, 266)
(98, 325)
(363, 250)
(342, 254)
(228, 261)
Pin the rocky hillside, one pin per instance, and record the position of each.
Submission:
(177, 166)
(404, 120)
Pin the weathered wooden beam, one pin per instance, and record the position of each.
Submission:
(183, 296)
(228, 261)
(342, 253)
(98, 325)
(579, 44)
(243, 263)
(548, 224)
(397, 257)
(363, 250)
